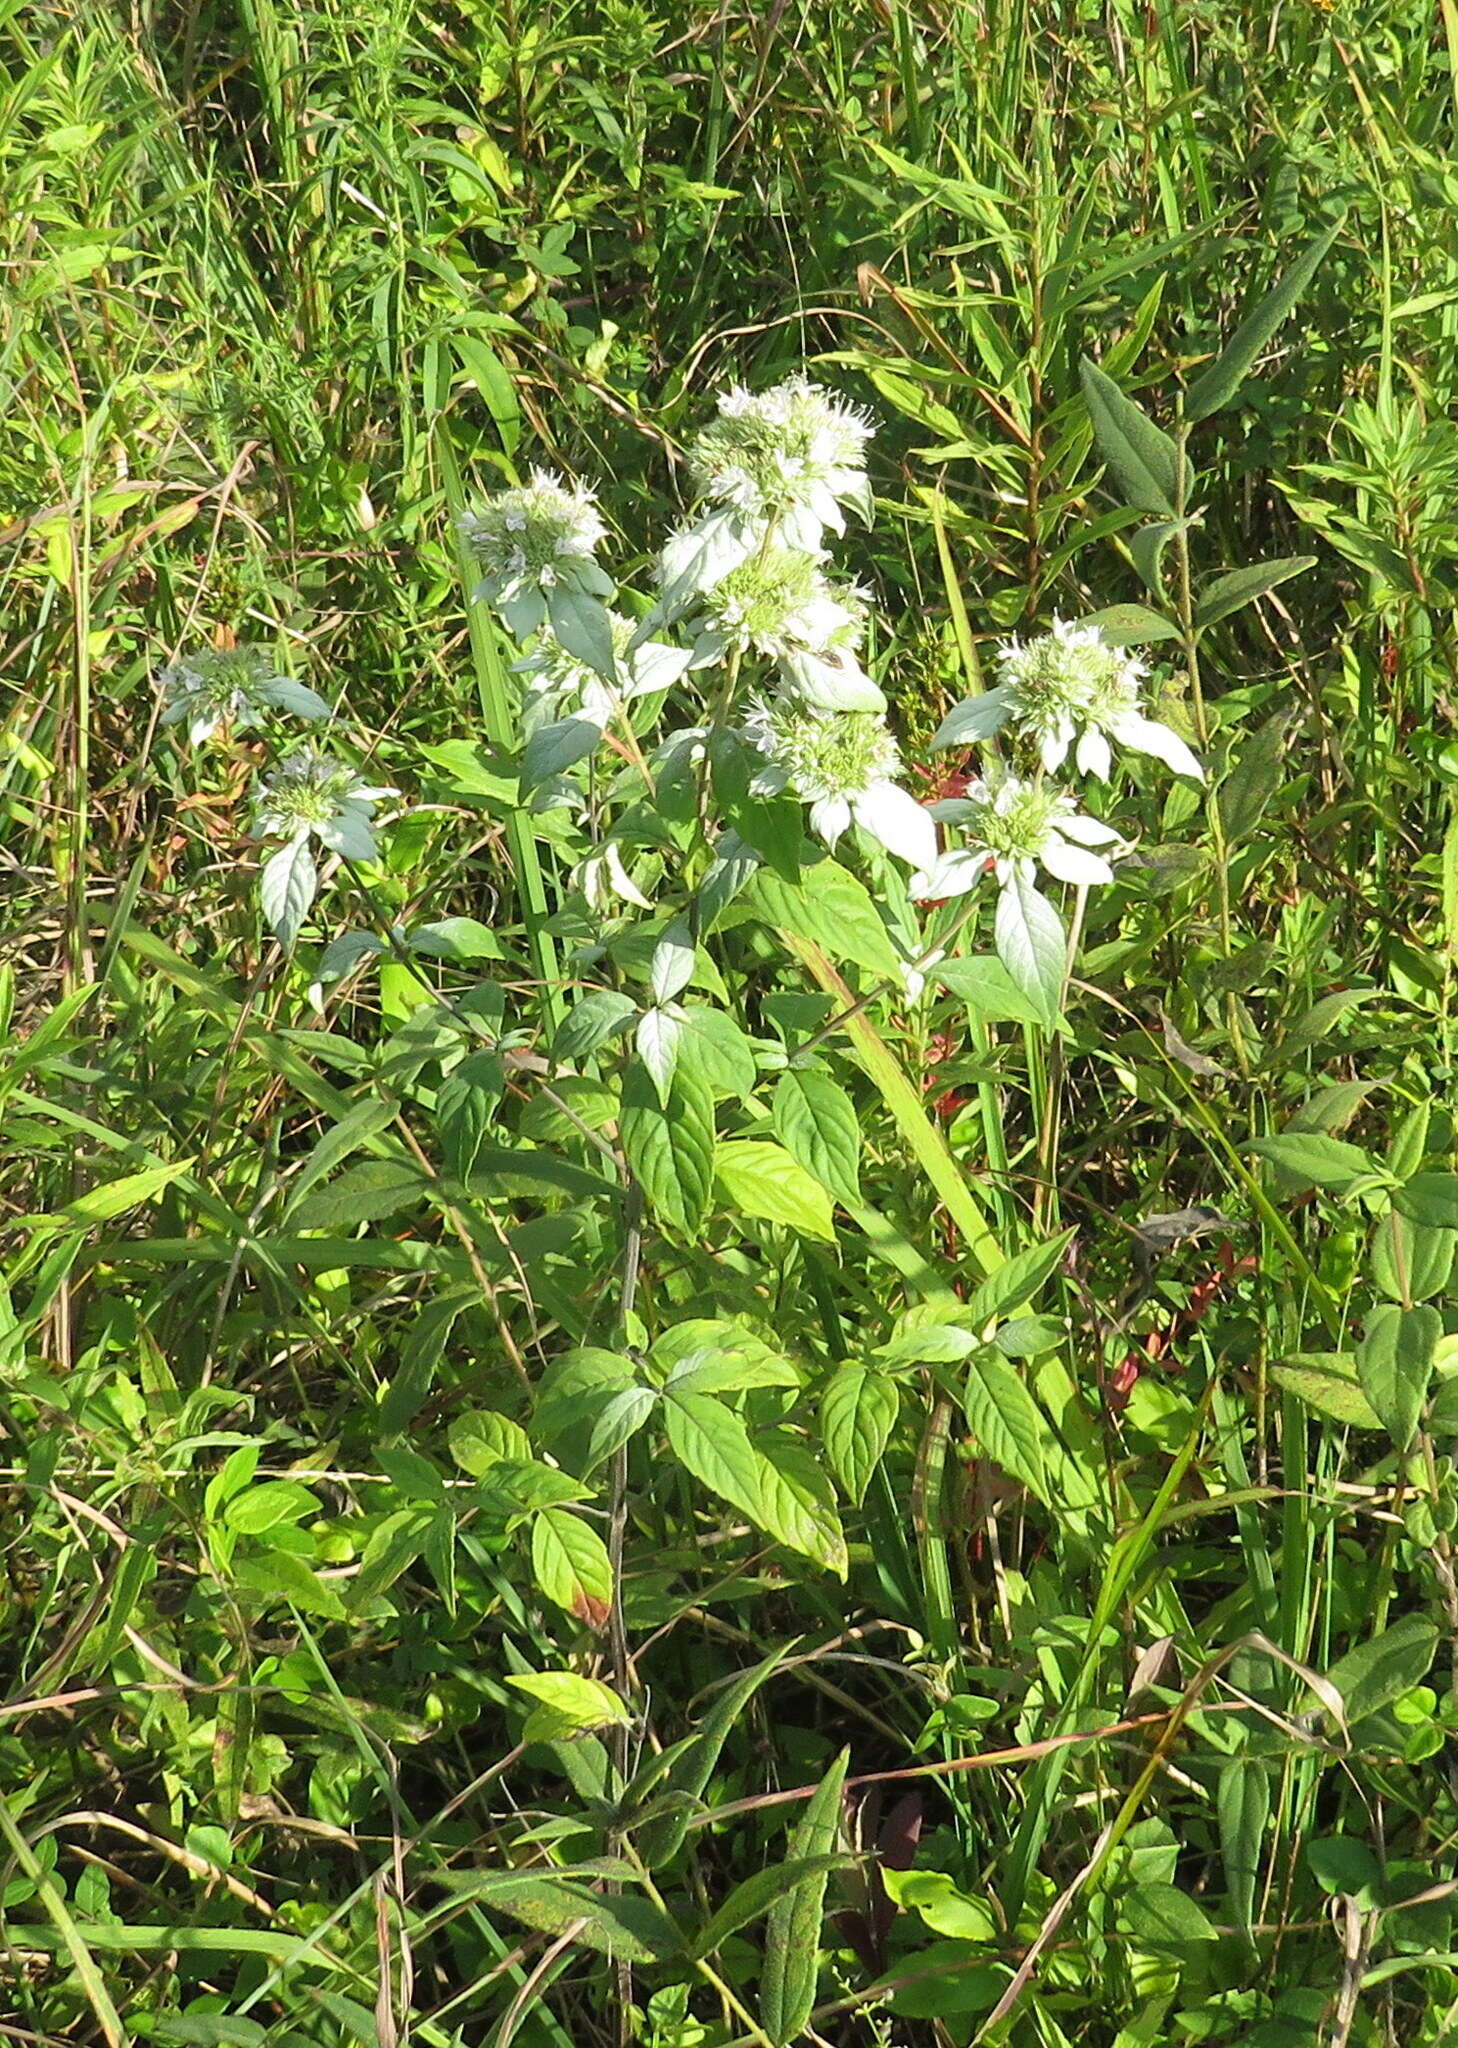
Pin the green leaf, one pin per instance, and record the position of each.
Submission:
(571, 1565)
(552, 749)
(685, 1770)
(620, 1419)
(711, 1441)
(601, 1015)
(581, 624)
(758, 1178)
(1317, 1161)
(1327, 1382)
(1395, 1365)
(1162, 1917)
(287, 883)
(1018, 1281)
(1006, 1422)
(1132, 625)
(757, 1894)
(1144, 459)
(264, 1507)
(792, 1937)
(718, 1050)
(1258, 773)
(830, 907)
(116, 1197)
(1215, 387)
(480, 1439)
(669, 1146)
(986, 987)
(465, 1104)
(1240, 587)
(280, 1576)
(459, 939)
(630, 1929)
(1243, 1806)
(858, 1411)
(1429, 1198)
(797, 1506)
(1377, 1672)
(815, 1120)
(1411, 1261)
(571, 1704)
(1031, 944)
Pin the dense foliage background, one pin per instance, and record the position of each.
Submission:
(278, 285)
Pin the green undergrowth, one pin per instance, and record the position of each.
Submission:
(1032, 1618)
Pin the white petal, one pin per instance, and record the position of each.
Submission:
(1054, 747)
(975, 718)
(829, 818)
(1094, 756)
(1073, 864)
(1087, 831)
(955, 874)
(1147, 736)
(621, 880)
(903, 826)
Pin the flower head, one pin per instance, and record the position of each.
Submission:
(313, 794)
(1069, 685)
(844, 766)
(218, 686)
(1014, 827)
(532, 539)
(792, 455)
(780, 603)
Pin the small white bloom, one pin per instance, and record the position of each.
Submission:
(844, 767)
(792, 455)
(1014, 827)
(533, 539)
(232, 686)
(310, 794)
(781, 604)
(1069, 688)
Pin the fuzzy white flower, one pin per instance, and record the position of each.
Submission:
(534, 541)
(310, 794)
(1013, 828)
(844, 766)
(781, 604)
(1069, 688)
(791, 456)
(217, 686)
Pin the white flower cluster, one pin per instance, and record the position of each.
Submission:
(789, 457)
(535, 546)
(844, 765)
(218, 688)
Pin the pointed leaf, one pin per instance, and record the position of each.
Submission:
(1240, 587)
(1218, 385)
(286, 886)
(1395, 1364)
(571, 1565)
(1006, 1421)
(815, 1120)
(669, 1146)
(857, 1415)
(1031, 944)
(1132, 625)
(758, 1178)
(792, 1938)
(1143, 458)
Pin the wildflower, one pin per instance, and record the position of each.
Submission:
(313, 794)
(1069, 684)
(780, 604)
(219, 686)
(1014, 827)
(789, 457)
(843, 766)
(535, 546)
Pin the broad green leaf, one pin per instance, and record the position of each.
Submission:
(1162, 1917)
(1327, 1381)
(465, 1105)
(366, 1192)
(602, 1014)
(797, 1505)
(581, 624)
(718, 1050)
(1395, 1365)
(671, 968)
(1018, 1281)
(287, 883)
(1243, 1807)
(1031, 944)
(1004, 1418)
(621, 1417)
(552, 749)
(264, 1507)
(757, 1894)
(792, 1944)
(479, 1439)
(394, 1545)
(1215, 387)
(279, 1575)
(1377, 1672)
(1411, 1261)
(460, 939)
(986, 987)
(363, 1121)
(1429, 1198)
(1316, 1160)
(816, 1122)
(669, 1146)
(621, 1925)
(857, 1414)
(573, 1703)
(1143, 458)
(829, 906)
(1240, 587)
(1132, 625)
(1257, 774)
(759, 1178)
(657, 1042)
(711, 1441)
(571, 1565)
